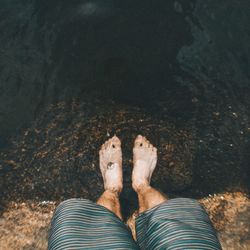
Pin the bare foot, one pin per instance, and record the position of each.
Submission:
(144, 159)
(111, 164)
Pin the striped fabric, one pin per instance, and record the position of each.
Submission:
(82, 224)
(176, 224)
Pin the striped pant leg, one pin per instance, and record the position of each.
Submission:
(82, 224)
(176, 224)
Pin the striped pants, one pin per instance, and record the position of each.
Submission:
(175, 224)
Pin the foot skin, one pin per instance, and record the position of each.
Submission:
(111, 164)
(144, 159)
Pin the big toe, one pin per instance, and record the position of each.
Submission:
(115, 142)
(112, 143)
(141, 142)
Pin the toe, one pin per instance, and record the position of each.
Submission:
(139, 137)
(139, 141)
(100, 151)
(146, 143)
(110, 144)
(115, 142)
(116, 139)
(107, 144)
(102, 147)
(149, 145)
(154, 152)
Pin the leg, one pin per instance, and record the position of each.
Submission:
(110, 200)
(145, 158)
(111, 169)
(161, 224)
(82, 224)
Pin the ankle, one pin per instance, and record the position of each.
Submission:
(113, 191)
(141, 187)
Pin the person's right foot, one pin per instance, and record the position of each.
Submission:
(111, 164)
(144, 160)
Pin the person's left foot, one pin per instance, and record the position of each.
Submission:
(111, 164)
(144, 158)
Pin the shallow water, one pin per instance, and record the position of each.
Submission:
(177, 63)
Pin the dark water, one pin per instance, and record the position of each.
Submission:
(182, 62)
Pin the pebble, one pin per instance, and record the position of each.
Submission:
(171, 164)
(235, 115)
